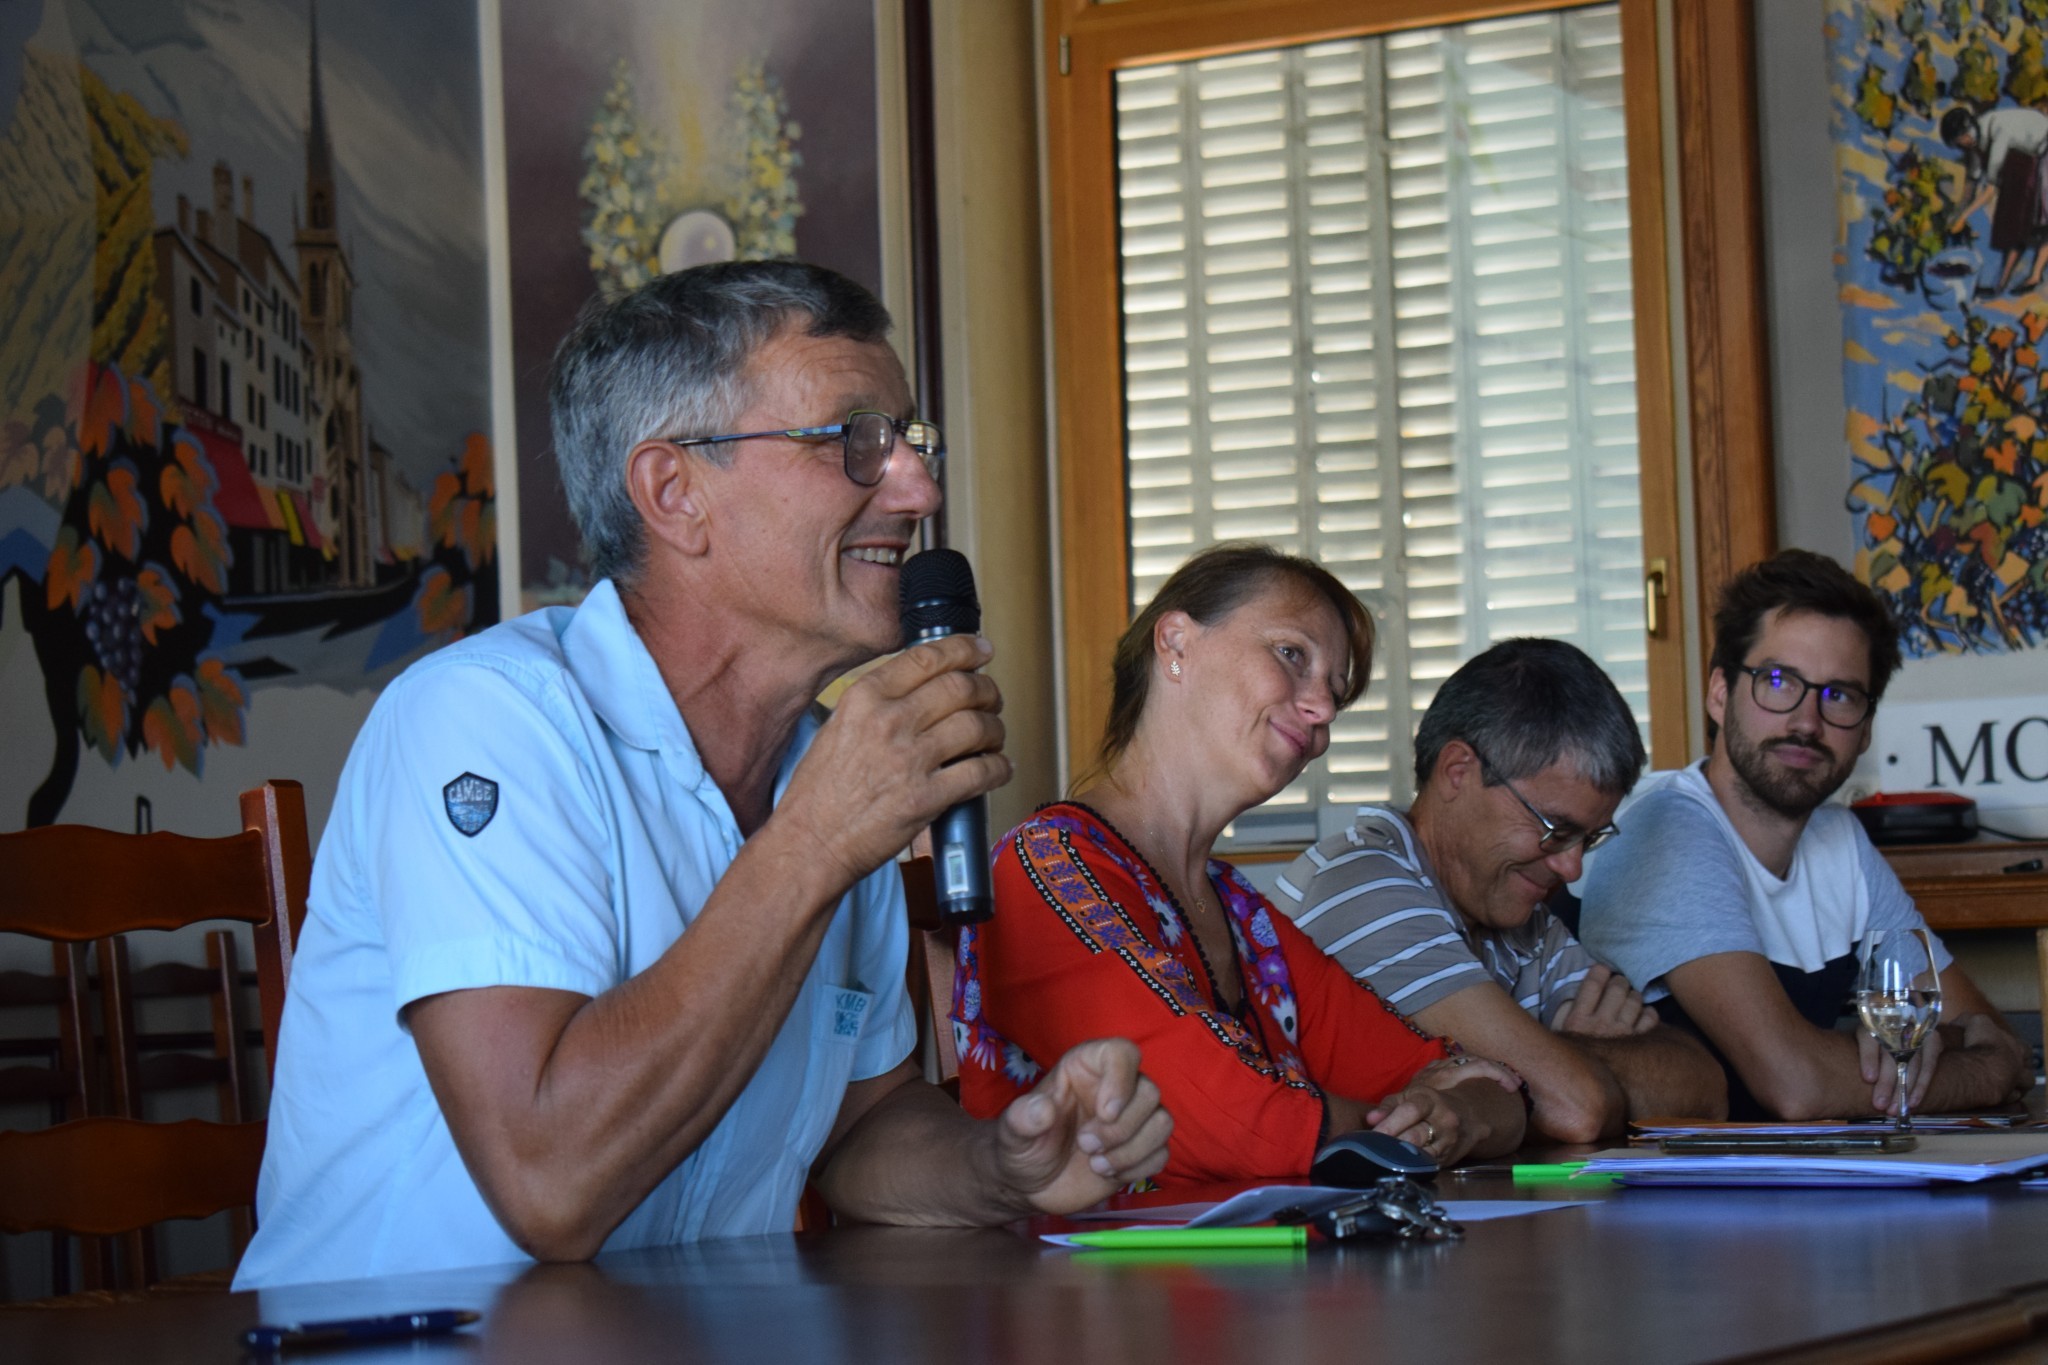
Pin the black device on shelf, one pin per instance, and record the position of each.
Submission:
(1917, 818)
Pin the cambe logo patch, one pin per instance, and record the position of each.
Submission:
(471, 802)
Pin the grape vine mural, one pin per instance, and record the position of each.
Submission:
(1941, 134)
(124, 622)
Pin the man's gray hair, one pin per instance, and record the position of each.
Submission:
(1526, 704)
(670, 359)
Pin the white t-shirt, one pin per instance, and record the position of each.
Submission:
(526, 808)
(1678, 883)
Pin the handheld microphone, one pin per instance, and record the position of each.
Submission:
(937, 594)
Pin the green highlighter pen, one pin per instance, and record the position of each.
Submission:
(1190, 1239)
(1562, 1170)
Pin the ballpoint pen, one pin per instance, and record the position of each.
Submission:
(272, 1338)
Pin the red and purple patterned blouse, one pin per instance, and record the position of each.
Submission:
(1087, 943)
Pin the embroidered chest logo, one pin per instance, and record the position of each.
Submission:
(848, 1009)
(471, 802)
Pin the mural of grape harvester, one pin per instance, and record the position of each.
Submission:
(1940, 120)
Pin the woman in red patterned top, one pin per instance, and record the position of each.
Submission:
(1112, 918)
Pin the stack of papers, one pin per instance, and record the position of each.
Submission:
(1938, 1158)
(1650, 1130)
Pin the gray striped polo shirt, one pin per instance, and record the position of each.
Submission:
(1369, 898)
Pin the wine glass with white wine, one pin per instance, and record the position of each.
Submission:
(1898, 995)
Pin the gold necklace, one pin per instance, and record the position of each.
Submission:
(1152, 841)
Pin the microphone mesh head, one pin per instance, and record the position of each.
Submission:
(937, 592)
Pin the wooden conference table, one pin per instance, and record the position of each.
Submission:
(1630, 1275)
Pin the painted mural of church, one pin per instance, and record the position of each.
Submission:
(264, 364)
(243, 425)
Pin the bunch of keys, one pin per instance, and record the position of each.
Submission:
(1394, 1207)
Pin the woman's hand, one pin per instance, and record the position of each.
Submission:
(1451, 1123)
(1427, 1117)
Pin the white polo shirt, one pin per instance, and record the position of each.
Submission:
(526, 808)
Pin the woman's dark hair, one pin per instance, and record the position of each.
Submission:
(1956, 122)
(1800, 580)
(1208, 587)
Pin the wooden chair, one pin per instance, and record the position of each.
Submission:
(140, 1064)
(933, 954)
(112, 1174)
(63, 1079)
(155, 1062)
(59, 1069)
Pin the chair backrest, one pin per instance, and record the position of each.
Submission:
(932, 957)
(154, 1062)
(57, 1069)
(110, 1174)
(147, 1063)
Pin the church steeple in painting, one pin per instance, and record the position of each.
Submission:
(319, 154)
(327, 285)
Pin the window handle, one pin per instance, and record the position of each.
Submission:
(1656, 587)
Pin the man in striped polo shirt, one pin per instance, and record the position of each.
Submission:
(1519, 764)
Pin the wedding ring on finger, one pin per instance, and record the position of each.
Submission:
(1428, 1141)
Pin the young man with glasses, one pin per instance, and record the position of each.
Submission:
(1519, 763)
(606, 939)
(1739, 890)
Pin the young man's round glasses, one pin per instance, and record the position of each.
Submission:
(868, 438)
(1556, 838)
(1842, 705)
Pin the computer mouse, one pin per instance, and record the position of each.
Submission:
(1352, 1161)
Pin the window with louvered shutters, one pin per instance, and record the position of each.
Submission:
(1376, 310)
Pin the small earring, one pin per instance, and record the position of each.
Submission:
(1173, 667)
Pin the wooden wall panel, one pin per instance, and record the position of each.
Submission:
(1656, 392)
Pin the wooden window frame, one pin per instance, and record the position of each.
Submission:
(1727, 321)
(1085, 43)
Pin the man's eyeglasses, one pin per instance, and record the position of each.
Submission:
(1842, 705)
(1556, 838)
(869, 439)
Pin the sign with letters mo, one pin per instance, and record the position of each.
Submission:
(1992, 749)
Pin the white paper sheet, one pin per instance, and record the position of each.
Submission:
(1260, 1205)
(1485, 1210)
(1938, 1158)
(1939, 1123)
